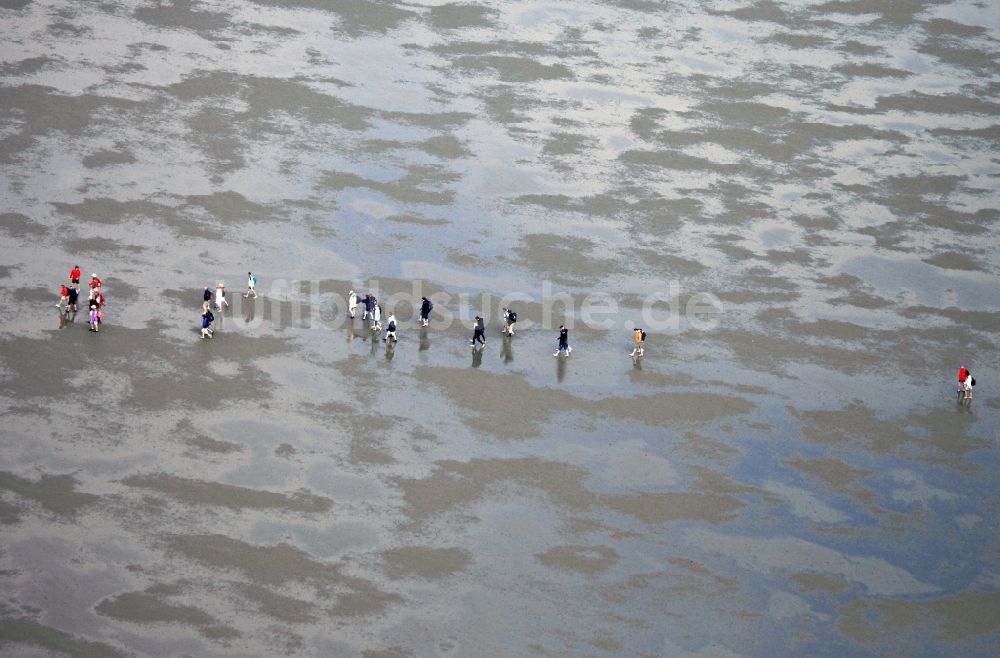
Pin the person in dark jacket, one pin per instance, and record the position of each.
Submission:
(425, 311)
(479, 332)
(564, 348)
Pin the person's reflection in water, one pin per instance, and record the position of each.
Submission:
(350, 330)
(477, 357)
(64, 319)
(637, 362)
(425, 341)
(561, 369)
(249, 310)
(390, 350)
(506, 350)
(374, 342)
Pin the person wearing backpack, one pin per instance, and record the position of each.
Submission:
(206, 324)
(509, 318)
(425, 311)
(640, 338)
(965, 383)
(251, 286)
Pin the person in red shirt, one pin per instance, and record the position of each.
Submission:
(63, 298)
(95, 281)
(74, 275)
(964, 383)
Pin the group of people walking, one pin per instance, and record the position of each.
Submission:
(218, 299)
(69, 297)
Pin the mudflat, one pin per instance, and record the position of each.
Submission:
(798, 202)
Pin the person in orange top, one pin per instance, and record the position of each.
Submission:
(640, 338)
(74, 275)
(95, 281)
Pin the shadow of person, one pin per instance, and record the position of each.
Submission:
(561, 368)
(477, 357)
(506, 350)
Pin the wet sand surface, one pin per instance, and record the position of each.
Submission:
(795, 478)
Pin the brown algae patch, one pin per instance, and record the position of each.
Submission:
(28, 632)
(833, 472)
(950, 618)
(55, 493)
(200, 492)
(509, 401)
(659, 508)
(278, 606)
(270, 564)
(145, 608)
(855, 424)
(581, 559)
(453, 484)
(425, 561)
(819, 582)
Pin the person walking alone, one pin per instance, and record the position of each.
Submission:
(509, 318)
(425, 311)
(478, 332)
(640, 338)
(965, 383)
(564, 348)
(251, 286)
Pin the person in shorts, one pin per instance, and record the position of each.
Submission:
(72, 296)
(63, 297)
(251, 286)
(352, 304)
(74, 275)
